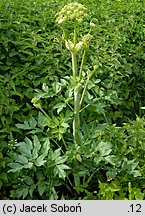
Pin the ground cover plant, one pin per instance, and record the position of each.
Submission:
(72, 100)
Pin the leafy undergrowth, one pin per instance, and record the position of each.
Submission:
(38, 159)
(110, 161)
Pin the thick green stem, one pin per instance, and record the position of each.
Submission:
(76, 123)
(74, 66)
(76, 120)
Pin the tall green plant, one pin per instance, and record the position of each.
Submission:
(73, 14)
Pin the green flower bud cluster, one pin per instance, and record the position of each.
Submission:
(70, 46)
(36, 103)
(86, 40)
(72, 11)
(93, 23)
(84, 43)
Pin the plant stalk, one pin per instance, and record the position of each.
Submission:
(74, 67)
(76, 120)
(82, 63)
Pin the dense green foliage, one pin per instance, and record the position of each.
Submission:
(37, 155)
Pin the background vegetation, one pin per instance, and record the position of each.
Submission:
(37, 155)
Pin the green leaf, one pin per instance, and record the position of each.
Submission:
(32, 122)
(60, 160)
(45, 88)
(45, 148)
(29, 165)
(137, 194)
(15, 167)
(59, 170)
(135, 173)
(41, 118)
(97, 159)
(104, 148)
(63, 166)
(24, 150)
(21, 159)
(34, 153)
(78, 157)
(112, 159)
(111, 173)
(40, 161)
(86, 130)
(56, 87)
(40, 176)
(4, 177)
(100, 108)
(36, 143)
(55, 121)
(28, 180)
(22, 191)
(130, 166)
(24, 126)
(29, 143)
(59, 107)
(65, 125)
(56, 153)
(31, 189)
(41, 187)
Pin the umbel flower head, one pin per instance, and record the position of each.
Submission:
(72, 11)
